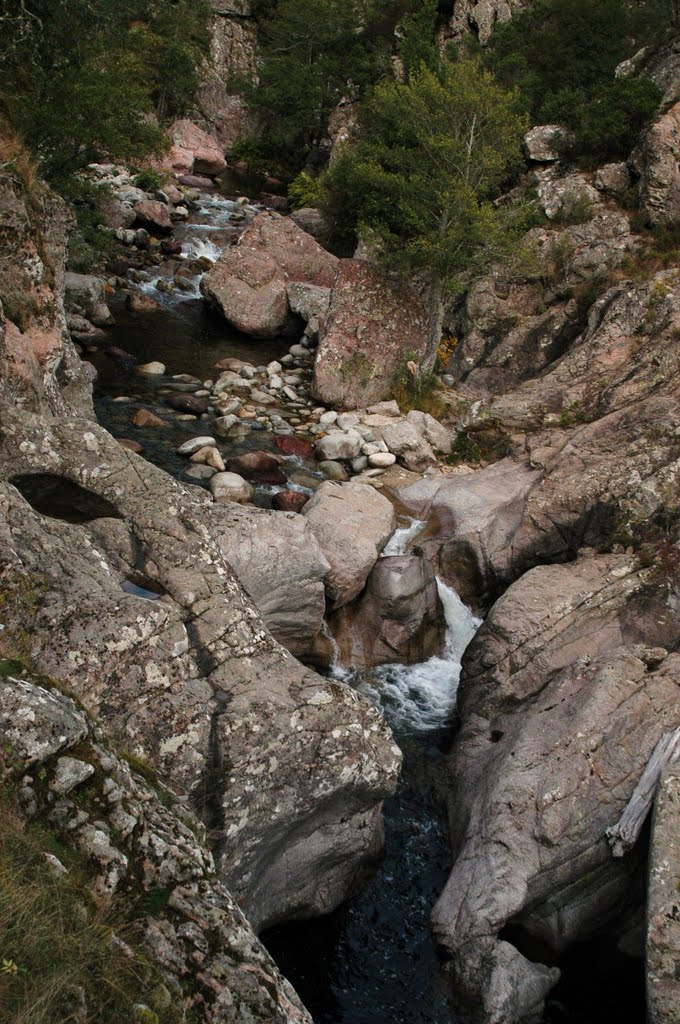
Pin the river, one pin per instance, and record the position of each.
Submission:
(372, 961)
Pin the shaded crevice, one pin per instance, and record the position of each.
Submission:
(57, 497)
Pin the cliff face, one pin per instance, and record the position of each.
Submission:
(233, 52)
(39, 367)
(478, 17)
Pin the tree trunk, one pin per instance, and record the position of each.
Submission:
(435, 318)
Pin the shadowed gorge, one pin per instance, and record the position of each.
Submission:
(339, 507)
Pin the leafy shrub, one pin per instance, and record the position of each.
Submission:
(89, 247)
(79, 78)
(306, 190)
(312, 54)
(148, 181)
(563, 54)
(422, 391)
(608, 120)
(483, 442)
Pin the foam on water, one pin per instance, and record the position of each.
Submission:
(195, 248)
(401, 541)
(420, 698)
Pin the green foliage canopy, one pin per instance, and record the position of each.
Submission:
(431, 155)
(315, 52)
(79, 78)
(562, 54)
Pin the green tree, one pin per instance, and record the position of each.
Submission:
(310, 54)
(315, 52)
(79, 78)
(562, 54)
(431, 156)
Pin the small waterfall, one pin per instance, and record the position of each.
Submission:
(417, 698)
(401, 541)
(194, 248)
(420, 698)
(337, 671)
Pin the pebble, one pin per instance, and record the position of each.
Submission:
(200, 472)
(333, 470)
(209, 456)
(152, 368)
(195, 444)
(381, 460)
(231, 487)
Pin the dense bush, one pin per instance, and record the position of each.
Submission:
(81, 79)
(315, 52)
(563, 53)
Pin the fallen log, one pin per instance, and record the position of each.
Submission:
(622, 836)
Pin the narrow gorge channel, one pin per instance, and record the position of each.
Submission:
(373, 961)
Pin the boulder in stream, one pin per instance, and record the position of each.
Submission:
(249, 282)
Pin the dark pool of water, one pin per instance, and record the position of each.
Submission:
(372, 961)
(187, 337)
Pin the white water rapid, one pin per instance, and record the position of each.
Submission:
(420, 698)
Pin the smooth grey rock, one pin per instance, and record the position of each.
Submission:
(70, 773)
(195, 444)
(398, 618)
(231, 487)
(339, 446)
(352, 523)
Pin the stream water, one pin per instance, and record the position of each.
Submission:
(372, 961)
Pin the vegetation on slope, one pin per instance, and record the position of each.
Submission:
(83, 79)
(64, 955)
(562, 55)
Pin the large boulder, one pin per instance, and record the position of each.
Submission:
(373, 324)
(474, 519)
(352, 523)
(310, 220)
(280, 564)
(129, 834)
(563, 698)
(249, 282)
(154, 216)
(398, 618)
(193, 150)
(84, 290)
(546, 143)
(655, 161)
(184, 672)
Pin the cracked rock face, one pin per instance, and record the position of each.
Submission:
(663, 903)
(39, 367)
(288, 769)
(139, 840)
(561, 710)
(480, 17)
(361, 344)
(656, 162)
